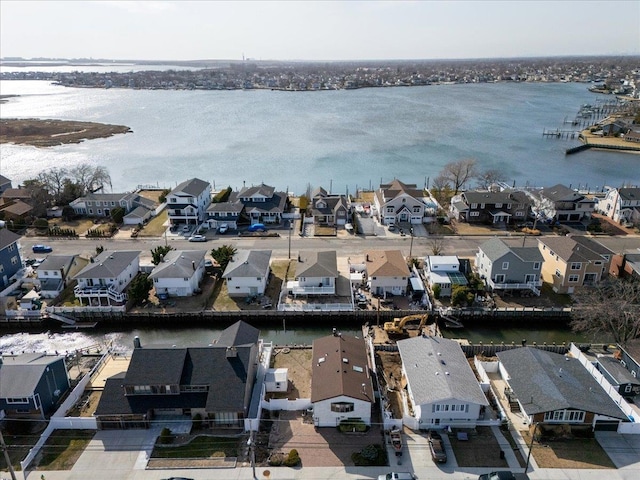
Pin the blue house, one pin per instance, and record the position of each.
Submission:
(10, 261)
(32, 384)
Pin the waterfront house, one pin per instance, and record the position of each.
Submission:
(100, 205)
(55, 271)
(387, 272)
(106, 277)
(329, 210)
(440, 385)
(247, 274)
(225, 213)
(491, 207)
(32, 384)
(398, 202)
(502, 267)
(629, 356)
(445, 272)
(262, 204)
(616, 373)
(551, 389)
(561, 204)
(5, 184)
(621, 205)
(573, 261)
(341, 382)
(187, 203)
(316, 274)
(10, 260)
(179, 274)
(215, 381)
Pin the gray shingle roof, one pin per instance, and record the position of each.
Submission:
(193, 187)
(575, 248)
(495, 249)
(57, 262)
(629, 194)
(262, 190)
(317, 264)
(546, 381)
(617, 371)
(438, 370)
(178, 264)
(20, 374)
(7, 237)
(560, 192)
(248, 263)
(109, 264)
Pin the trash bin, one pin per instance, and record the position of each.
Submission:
(501, 454)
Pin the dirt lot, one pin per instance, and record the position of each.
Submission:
(481, 450)
(392, 368)
(298, 363)
(569, 453)
(47, 133)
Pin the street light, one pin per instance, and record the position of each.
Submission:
(533, 436)
(290, 228)
(411, 245)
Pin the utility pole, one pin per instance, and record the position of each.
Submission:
(411, 244)
(3, 446)
(290, 228)
(533, 436)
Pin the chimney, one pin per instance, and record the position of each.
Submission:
(231, 352)
(193, 265)
(368, 258)
(299, 258)
(136, 342)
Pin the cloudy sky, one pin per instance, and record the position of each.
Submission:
(306, 30)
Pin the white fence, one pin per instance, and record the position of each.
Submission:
(632, 427)
(315, 307)
(87, 309)
(286, 404)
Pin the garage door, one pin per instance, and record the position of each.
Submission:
(606, 426)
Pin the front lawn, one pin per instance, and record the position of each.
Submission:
(201, 446)
(569, 453)
(481, 450)
(155, 227)
(62, 449)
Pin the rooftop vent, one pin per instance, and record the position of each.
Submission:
(345, 360)
(232, 352)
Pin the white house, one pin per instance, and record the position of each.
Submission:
(316, 274)
(54, 272)
(179, 274)
(187, 203)
(621, 204)
(441, 386)
(397, 202)
(444, 271)
(106, 277)
(387, 272)
(341, 384)
(248, 272)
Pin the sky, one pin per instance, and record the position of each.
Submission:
(308, 30)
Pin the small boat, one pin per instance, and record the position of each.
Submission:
(396, 441)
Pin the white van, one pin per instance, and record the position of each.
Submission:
(397, 476)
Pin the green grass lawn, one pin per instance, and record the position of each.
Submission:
(201, 447)
(155, 226)
(62, 449)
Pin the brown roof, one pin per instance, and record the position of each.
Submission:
(17, 208)
(386, 263)
(340, 367)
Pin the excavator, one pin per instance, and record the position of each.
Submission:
(399, 325)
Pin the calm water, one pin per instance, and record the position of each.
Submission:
(339, 138)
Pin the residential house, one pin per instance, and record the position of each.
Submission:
(633, 135)
(629, 356)
(341, 383)
(187, 203)
(550, 388)
(179, 274)
(248, 273)
(100, 205)
(55, 271)
(10, 261)
(15, 210)
(214, 381)
(225, 213)
(387, 272)
(573, 261)
(5, 184)
(440, 385)
(262, 204)
(509, 268)
(32, 384)
(316, 274)
(561, 204)
(617, 375)
(625, 265)
(621, 204)
(398, 202)
(329, 210)
(445, 272)
(491, 207)
(104, 280)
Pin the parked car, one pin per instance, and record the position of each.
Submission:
(222, 229)
(197, 238)
(392, 228)
(42, 249)
(437, 450)
(503, 475)
(186, 228)
(397, 476)
(257, 227)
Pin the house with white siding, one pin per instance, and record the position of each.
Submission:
(179, 274)
(316, 274)
(106, 277)
(55, 271)
(187, 203)
(621, 204)
(398, 202)
(387, 272)
(248, 273)
(443, 271)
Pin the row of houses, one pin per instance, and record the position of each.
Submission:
(226, 382)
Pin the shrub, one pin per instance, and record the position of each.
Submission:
(41, 223)
(165, 436)
(371, 455)
(347, 426)
(276, 459)
(197, 421)
(293, 459)
(436, 291)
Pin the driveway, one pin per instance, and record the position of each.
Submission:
(623, 450)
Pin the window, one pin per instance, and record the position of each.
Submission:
(142, 389)
(342, 407)
(14, 260)
(536, 265)
(416, 209)
(474, 205)
(574, 278)
(576, 266)
(628, 388)
(572, 416)
(505, 265)
(508, 206)
(519, 213)
(498, 205)
(558, 274)
(18, 400)
(499, 278)
(474, 214)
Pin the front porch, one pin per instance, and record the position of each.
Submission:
(99, 295)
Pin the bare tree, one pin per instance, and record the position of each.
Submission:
(610, 308)
(53, 181)
(437, 245)
(89, 178)
(441, 189)
(459, 173)
(489, 177)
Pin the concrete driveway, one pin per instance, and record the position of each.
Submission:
(623, 450)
